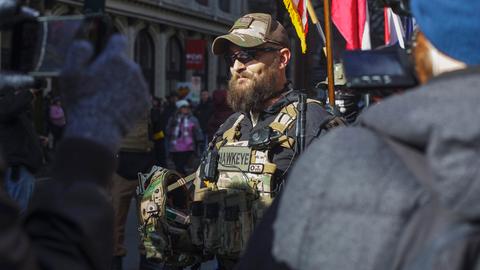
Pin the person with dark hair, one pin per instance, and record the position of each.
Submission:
(69, 223)
(221, 112)
(56, 119)
(20, 143)
(203, 112)
(158, 129)
(389, 184)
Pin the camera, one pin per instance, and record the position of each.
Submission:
(208, 166)
(385, 68)
(400, 7)
(40, 44)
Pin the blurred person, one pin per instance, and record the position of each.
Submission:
(57, 120)
(171, 107)
(136, 155)
(203, 112)
(159, 124)
(221, 112)
(69, 224)
(20, 143)
(184, 134)
(353, 208)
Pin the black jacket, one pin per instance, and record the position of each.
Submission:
(18, 138)
(282, 157)
(203, 112)
(70, 223)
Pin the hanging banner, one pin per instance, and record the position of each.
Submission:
(194, 94)
(195, 54)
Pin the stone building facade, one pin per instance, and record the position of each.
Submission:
(158, 32)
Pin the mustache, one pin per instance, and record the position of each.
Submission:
(244, 74)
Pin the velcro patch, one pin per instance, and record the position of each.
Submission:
(234, 158)
(243, 22)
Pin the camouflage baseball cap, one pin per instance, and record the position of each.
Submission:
(252, 30)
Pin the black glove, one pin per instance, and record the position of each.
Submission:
(103, 98)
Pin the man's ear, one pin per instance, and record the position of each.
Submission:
(284, 57)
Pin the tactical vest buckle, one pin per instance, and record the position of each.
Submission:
(263, 138)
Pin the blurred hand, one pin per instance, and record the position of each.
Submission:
(102, 98)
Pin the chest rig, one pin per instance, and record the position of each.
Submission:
(226, 208)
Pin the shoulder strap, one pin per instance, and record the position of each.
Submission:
(284, 121)
(415, 162)
(232, 133)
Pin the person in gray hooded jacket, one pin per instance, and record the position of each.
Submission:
(351, 195)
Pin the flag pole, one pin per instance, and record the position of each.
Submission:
(328, 33)
(313, 16)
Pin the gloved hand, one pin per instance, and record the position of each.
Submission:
(102, 98)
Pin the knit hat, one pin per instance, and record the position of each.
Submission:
(452, 26)
(253, 30)
(182, 103)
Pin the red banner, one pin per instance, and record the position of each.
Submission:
(351, 19)
(195, 54)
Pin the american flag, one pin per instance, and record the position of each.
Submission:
(298, 14)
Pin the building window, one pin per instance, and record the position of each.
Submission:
(6, 49)
(202, 2)
(175, 64)
(145, 57)
(223, 71)
(224, 5)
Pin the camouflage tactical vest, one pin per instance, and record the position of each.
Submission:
(222, 214)
(226, 212)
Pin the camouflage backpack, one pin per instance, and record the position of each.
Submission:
(164, 218)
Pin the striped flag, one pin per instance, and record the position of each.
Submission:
(398, 29)
(394, 31)
(351, 19)
(298, 14)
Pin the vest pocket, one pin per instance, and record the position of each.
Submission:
(212, 220)
(196, 223)
(236, 224)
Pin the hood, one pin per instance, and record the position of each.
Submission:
(441, 118)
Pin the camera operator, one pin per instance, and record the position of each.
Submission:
(20, 143)
(69, 224)
(350, 209)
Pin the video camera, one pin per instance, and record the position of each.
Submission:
(384, 68)
(40, 44)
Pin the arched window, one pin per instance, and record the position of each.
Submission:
(224, 5)
(145, 57)
(175, 64)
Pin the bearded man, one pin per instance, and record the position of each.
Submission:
(365, 206)
(249, 157)
(258, 144)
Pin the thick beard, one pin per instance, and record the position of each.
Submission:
(251, 96)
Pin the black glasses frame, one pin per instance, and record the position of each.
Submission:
(246, 55)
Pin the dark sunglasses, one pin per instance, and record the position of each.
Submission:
(246, 55)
